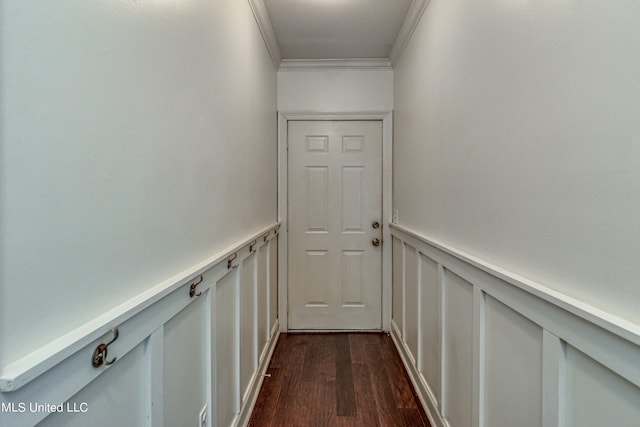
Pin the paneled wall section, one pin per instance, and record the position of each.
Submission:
(175, 355)
(485, 349)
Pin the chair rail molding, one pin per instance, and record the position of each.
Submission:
(227, 319)
(484, 346)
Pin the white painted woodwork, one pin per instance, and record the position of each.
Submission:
(227, 346)
(398, 284)
(170, 345)
(513, 368)
(273, 297)
(335, 180)
(184, 355)
(283, 250)
(266, 29)
(496, 350)
(597, 396)
(334, 64)
(262, 302)
(117, 397)
(248, 322)
(414, 15)
(501, 113)
(553, 379)
(458, 334)
(429, 310)
(411, 299)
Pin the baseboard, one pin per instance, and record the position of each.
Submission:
(256, 383)
(422, 390)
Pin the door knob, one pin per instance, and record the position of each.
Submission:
(375, 242)
(375, 225)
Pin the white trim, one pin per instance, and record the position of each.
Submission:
(335, 64)
(25, 370)
(553, 380)
(155, 398)
(256, 382)
(283, 250)
(266, 29)
(478, 404)
(416, 10)
(422, 389)
(562, 321)
(614, 324)
(387, 163)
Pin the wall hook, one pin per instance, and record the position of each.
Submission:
(266, 235)
(192, 288)
(230, 260)
(252, 245)
(101, 351)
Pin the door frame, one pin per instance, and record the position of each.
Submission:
(386, 117)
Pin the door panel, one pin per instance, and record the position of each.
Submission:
(335, 195)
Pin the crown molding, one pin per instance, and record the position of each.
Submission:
(416, 10)
(335, 64)
(266, 29)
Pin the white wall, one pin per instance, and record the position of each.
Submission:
(349, 90)
(516, 141)
(137, 139)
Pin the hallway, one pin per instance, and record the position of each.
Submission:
(154, 172)
(351, 379)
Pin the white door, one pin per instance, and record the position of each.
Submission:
(335, 208)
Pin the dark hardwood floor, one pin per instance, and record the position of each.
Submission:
(345, 379)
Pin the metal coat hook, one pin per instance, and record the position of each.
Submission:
(230, 260)
(192, 288)
(101, 351)
(266, 235)
(252, 245)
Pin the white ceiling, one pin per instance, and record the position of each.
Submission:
(336, 29)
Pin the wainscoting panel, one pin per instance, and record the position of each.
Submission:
(512, 368)
(122, 388)
(184, 358)
(429, 362)
(262, 292)
(248, 319)
(227, 353)
(411, 320)
(496, 350)
(458, 349)
(397, 311)
(200, 341)
(272, 284)
(596, 395)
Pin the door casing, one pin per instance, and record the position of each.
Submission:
(387, 151)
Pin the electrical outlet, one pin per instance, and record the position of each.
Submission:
(202, 421)
(395, 216)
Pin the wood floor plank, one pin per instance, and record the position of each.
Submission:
(402, 391)
(345, 394)
(364, 395)
(337, 380)
(320, 358)
(265, 408)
